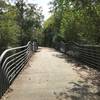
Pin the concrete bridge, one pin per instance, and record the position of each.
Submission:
(50, 75)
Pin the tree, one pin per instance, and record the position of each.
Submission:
(29, 19)
(18, 23)
(77, 20)
(8, 26)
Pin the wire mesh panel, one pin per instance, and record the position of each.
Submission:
(89, 54)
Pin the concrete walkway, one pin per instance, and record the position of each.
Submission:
(46, 77)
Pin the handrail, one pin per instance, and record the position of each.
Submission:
(88, 54)
(8, 50)
(12, 64)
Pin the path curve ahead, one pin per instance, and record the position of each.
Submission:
(46, 77)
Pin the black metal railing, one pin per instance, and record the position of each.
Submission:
(89, 54)
(12, 62)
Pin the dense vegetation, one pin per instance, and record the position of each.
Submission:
(19, 23)
(73, 20)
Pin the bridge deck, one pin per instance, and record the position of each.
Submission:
(47, 76)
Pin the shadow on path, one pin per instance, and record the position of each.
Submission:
(87, 89)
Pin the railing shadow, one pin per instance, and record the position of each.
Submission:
(80, 91)
(88, 88)
(68, 59)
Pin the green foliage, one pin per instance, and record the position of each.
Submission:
(8, 26)
(29, 18)
(75, 20)
(19, 23)
(49, 31)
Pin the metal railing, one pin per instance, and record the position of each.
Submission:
(12, 62)
(88, 54)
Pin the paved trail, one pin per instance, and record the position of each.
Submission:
(46, 77)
